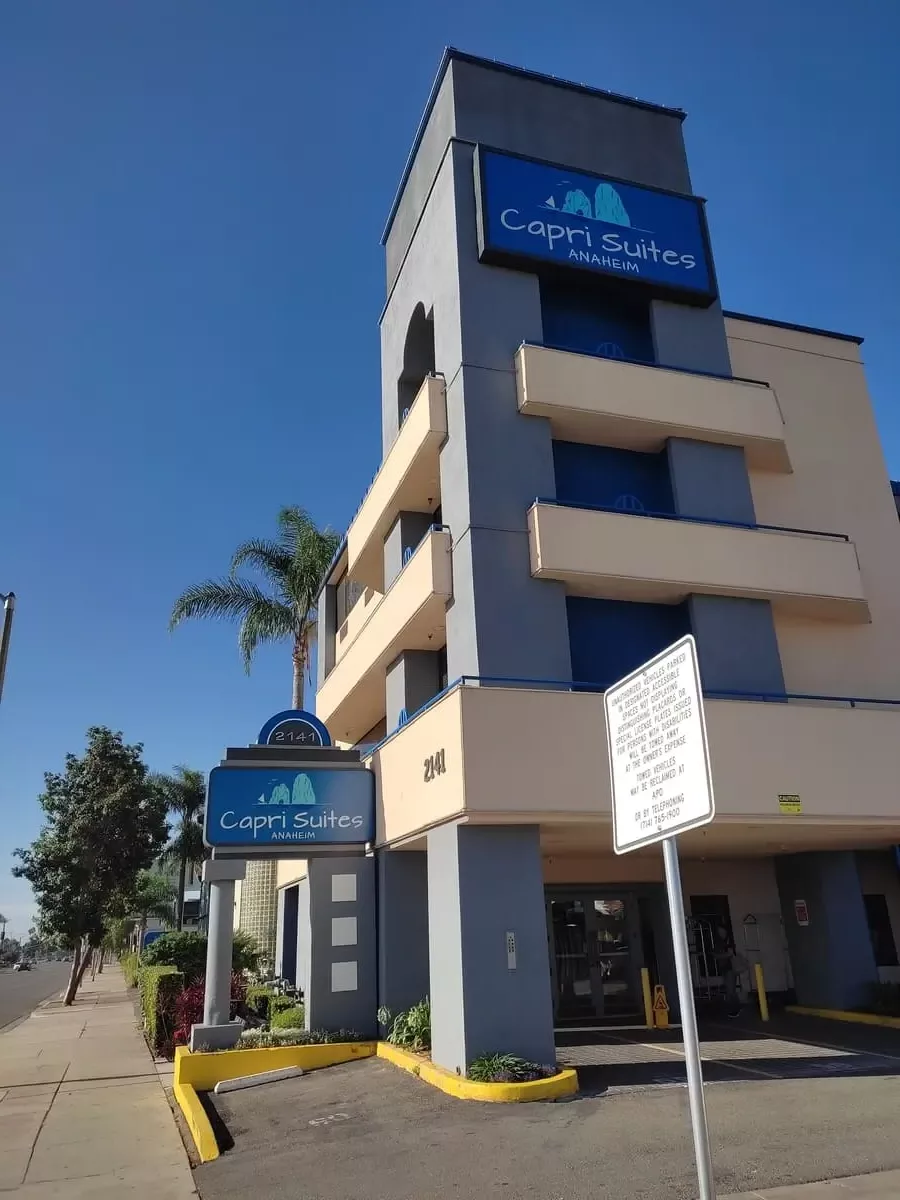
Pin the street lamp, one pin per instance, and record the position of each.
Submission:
(9, 605)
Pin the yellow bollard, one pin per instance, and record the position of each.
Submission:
(648, 998)
(761, 992)
(660, 1007)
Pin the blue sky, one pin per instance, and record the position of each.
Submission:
(190, 216)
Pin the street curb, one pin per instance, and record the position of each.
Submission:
(565, 1083)
(197, 1121)
(837, 1014)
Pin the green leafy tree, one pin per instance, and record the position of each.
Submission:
(293, 567)
(104, 822)
(185, 794)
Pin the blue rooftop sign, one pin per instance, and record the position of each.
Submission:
(534, 210)
(264, 807)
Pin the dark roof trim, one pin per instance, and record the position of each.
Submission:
(450, 53)
(842, 337)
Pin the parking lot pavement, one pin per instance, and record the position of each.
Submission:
(788, 1047)
(367, 1131)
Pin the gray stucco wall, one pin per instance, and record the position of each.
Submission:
(402, 537)
(411, 680)
(342, 974)
(691, 338)
(709, 480)
(485, 882)
(528, 116)
(832, 959)
(403, 977)
(736, 644)
(429, 277)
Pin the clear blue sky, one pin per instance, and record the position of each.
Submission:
(192, 200)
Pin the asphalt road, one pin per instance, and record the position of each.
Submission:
(368, 1131)
(22, 991)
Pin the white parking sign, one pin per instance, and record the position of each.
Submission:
(658, 756)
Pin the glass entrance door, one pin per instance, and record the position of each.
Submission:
(595, 950)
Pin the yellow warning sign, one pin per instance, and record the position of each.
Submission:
(790, 805)
(660, 1007)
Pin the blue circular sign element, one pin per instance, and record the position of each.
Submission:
(294, 728)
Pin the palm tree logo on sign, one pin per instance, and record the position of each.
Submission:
(300, 793)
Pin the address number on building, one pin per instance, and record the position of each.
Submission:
(435, 764)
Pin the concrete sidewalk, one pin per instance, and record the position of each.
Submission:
(82, 1107)
(883, 1186)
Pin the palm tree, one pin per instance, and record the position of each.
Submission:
(185, 792)
(294, 565)
(151, 896)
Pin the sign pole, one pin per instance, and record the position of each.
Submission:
(688, 1021)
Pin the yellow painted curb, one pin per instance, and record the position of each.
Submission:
(197, 1121)
(204, 1069)
(563, 1084)
(201, 1071)
(837, 1014)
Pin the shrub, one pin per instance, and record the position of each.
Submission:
(264, 1003)
(258, 1039)
(506, 1068)
(259, 999)
(187, 952)
(131, 968)
(189, 1006)
(159, 988)
(289, 1018)
(411, 1029)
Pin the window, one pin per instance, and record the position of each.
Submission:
(347, 592)
(880, 931)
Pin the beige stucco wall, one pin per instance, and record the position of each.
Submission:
(840, 485)
(515, 754)
(289, 870)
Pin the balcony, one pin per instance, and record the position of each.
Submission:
(410, 616)
(620, 556)
(609, 402)
(524, 753)
(407, 481)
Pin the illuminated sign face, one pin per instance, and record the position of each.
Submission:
(531, 210)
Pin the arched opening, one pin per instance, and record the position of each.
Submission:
(418, 359)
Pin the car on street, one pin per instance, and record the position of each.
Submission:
(22, 966)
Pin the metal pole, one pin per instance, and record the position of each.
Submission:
(9, 607)
(688, 1022)
(217, 997)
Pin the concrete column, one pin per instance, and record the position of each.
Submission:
(403, 977)
(217, 1030)
(832, 959)
(488, 956)
(401, 541)
(279, 931)
(336, 932)
(736, 644)
(691, 338)
(710, 481)
(410, 681)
